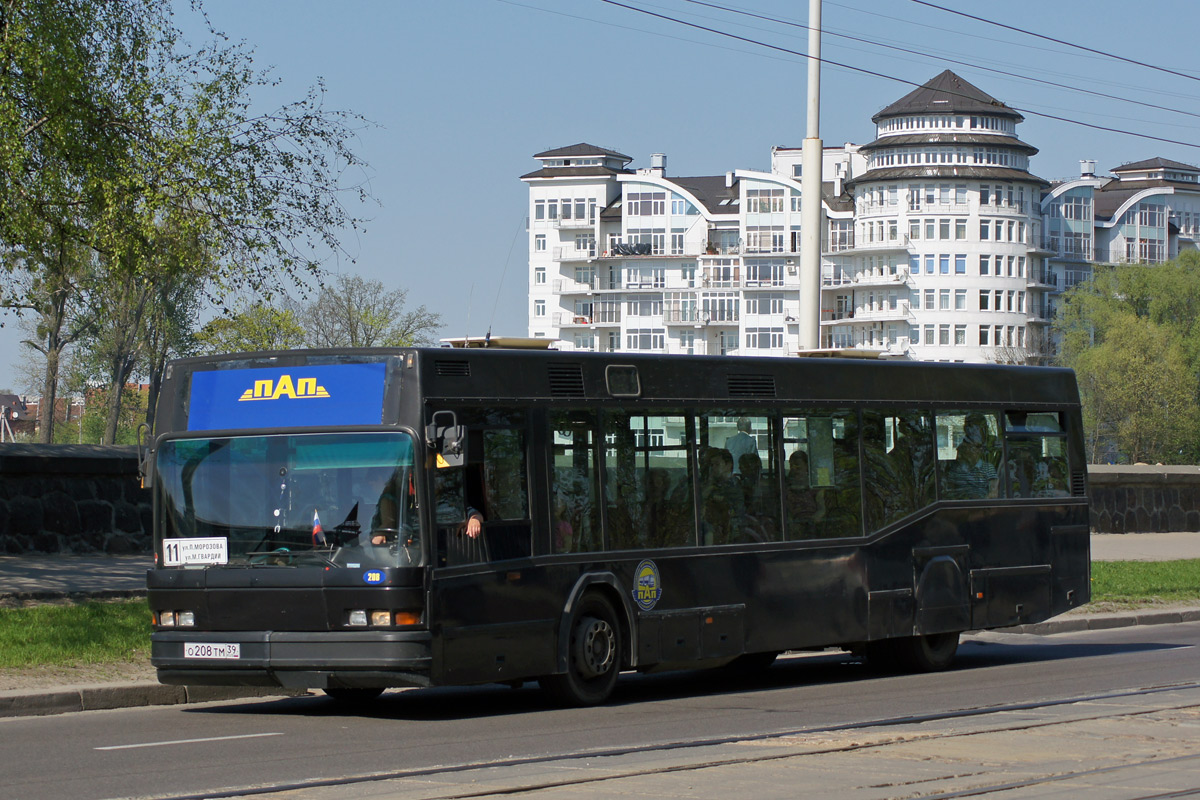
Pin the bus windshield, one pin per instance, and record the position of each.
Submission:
(332, 499)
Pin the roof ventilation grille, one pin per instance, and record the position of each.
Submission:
(566, 380)
(1078, 484)
(751, 385)
(452, 369)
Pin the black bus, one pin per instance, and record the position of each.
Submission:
(353, 520)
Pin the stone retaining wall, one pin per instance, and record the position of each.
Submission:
(1144, 498)
(72, 499)
(87, 499)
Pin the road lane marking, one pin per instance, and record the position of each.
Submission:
(187, 741)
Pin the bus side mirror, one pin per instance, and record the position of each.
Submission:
(144, 451)
(447, 438)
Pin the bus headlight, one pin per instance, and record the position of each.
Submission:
(166, 619)
(381, 619)
(357, 618)
(185, 619)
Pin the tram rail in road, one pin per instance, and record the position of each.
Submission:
(779, 757)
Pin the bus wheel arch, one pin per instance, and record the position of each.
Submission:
(595, 640)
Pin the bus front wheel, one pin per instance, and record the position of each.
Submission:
(593, 655)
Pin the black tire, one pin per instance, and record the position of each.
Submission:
(353, 697)
(594, 655)
(930, 653)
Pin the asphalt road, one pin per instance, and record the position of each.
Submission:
(204, 749)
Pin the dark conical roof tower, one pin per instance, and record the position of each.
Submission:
(947, 93)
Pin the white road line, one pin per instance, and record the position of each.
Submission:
(188, 741)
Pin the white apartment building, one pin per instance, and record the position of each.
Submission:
(933, 241)
(625, 259)
(1148, 212)
(942, 258)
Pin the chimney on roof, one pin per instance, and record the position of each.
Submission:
(658, 164)
(1087, 167)
(728, 180)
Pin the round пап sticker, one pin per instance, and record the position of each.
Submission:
(647, 585)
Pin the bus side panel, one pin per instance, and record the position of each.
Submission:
(494, 624)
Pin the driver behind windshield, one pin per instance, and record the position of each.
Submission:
(385, 523)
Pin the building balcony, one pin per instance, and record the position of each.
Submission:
(901, 313)
(1040, 279)
(865, 279)
(859, 246)
(566, 286)
(574, 223)
(1042, 313)
(574, 254)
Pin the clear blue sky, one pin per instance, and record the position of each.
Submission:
(464, 92)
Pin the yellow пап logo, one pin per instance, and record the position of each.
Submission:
(302, 389)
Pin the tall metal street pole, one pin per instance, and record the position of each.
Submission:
(810, 191)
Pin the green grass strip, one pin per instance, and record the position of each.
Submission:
(1141, 583)
(73, 635)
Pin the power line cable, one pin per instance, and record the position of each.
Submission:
(1057, 41)
(893, 77)
(950, 60)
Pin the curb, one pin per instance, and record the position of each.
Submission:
(1101, 622)
(40, 703)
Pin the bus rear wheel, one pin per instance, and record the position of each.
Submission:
(929, 653)
(593, 656)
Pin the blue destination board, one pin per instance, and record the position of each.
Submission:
(287, 397)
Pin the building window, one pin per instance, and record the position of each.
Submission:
(944, 229)
(539, 308)
(929, 295)
(929, 335)
(960, 334)
(983, 300)
(944, 335)
(944, 300)
(960, 299)
(960, 264)
(539, 275)
(539, 243)
(983, 335)
(914, 265)
(985, 230)
(764, 338)
(646, 204)
(984, 265)
(944, 263)
(539, 209)
(914, 334)
(645, 339)
(929, 265)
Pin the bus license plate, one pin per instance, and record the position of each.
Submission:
(226, 650)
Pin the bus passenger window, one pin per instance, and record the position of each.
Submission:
(1037, 456)
(898, 446)
(574, 492)
(968, 455)
(648, 481)
(822, 497)
(739, 478)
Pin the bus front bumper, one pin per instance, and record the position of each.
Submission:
(291, 659)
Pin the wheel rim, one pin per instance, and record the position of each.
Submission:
(595, 647)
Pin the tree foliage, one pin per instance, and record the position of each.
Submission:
(1132, 334)
(354, 312)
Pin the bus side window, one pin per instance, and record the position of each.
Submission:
(824, 447)
(739, 477)
(1037, 455)
(898, 446)
(648, 481)
(574, 483)
(505, 496)
(968, 448)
